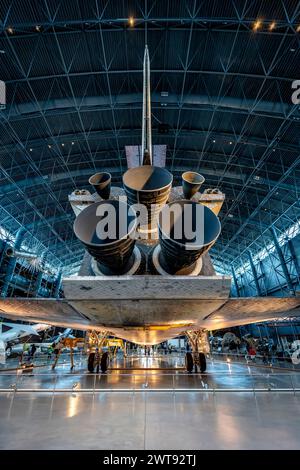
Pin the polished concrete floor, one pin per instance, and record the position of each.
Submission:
(142, 418)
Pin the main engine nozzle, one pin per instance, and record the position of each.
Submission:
(106, 229)
(191, 183)
(148, 185)
(187, 230)
(101, 182)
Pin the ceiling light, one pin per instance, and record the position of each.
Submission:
(292, 49)
(49, 146)
(230, 143)
(73, 143)
(257, 25)
(2, 52)
(131, 21)
(298, 29)
(30, 150)
(272, 26)
(38, 28)
(214, 141)
(62, 145)
(10, 30)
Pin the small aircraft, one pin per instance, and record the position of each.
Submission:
(11, 333)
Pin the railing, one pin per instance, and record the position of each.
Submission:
(176, 359)
(148, 382)
(258, 359)
(41, 359)
(244, 358)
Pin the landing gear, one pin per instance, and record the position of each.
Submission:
(198, 342)
(202, 362)
(104, 362)
(92, 362)
(195, 360)
(189, 362)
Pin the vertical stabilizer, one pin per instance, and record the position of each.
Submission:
(146, 129)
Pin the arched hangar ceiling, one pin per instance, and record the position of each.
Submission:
(221, 86)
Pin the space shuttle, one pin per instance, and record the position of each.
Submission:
(148, 281)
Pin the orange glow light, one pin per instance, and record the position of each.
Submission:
(257, 25)
(272, 26)
(131, 21)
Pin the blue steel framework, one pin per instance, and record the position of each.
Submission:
(221, 90)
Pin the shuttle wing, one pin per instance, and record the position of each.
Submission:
(52, 311)
(152, 320)
(245, 310)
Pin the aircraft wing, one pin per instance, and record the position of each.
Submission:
(29, 329)
(56, 312)
(246, 310)
(167, 313)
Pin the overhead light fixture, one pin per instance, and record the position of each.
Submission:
(73, 143)
(62, 144)
(292, 49)
(257, 25)
(30, 150)
(131, 21)
(10, 30)
(2, 52)
(214, 141)
(230, 143)
(38, 28)
(298, 29)
(272, 26)
(49, 146)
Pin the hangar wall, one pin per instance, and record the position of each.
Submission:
(274, 275)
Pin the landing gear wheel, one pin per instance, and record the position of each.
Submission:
(104, 362)
(189, 362)
(91, 361)
(202, 362)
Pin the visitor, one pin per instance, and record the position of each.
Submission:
(31, 352)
